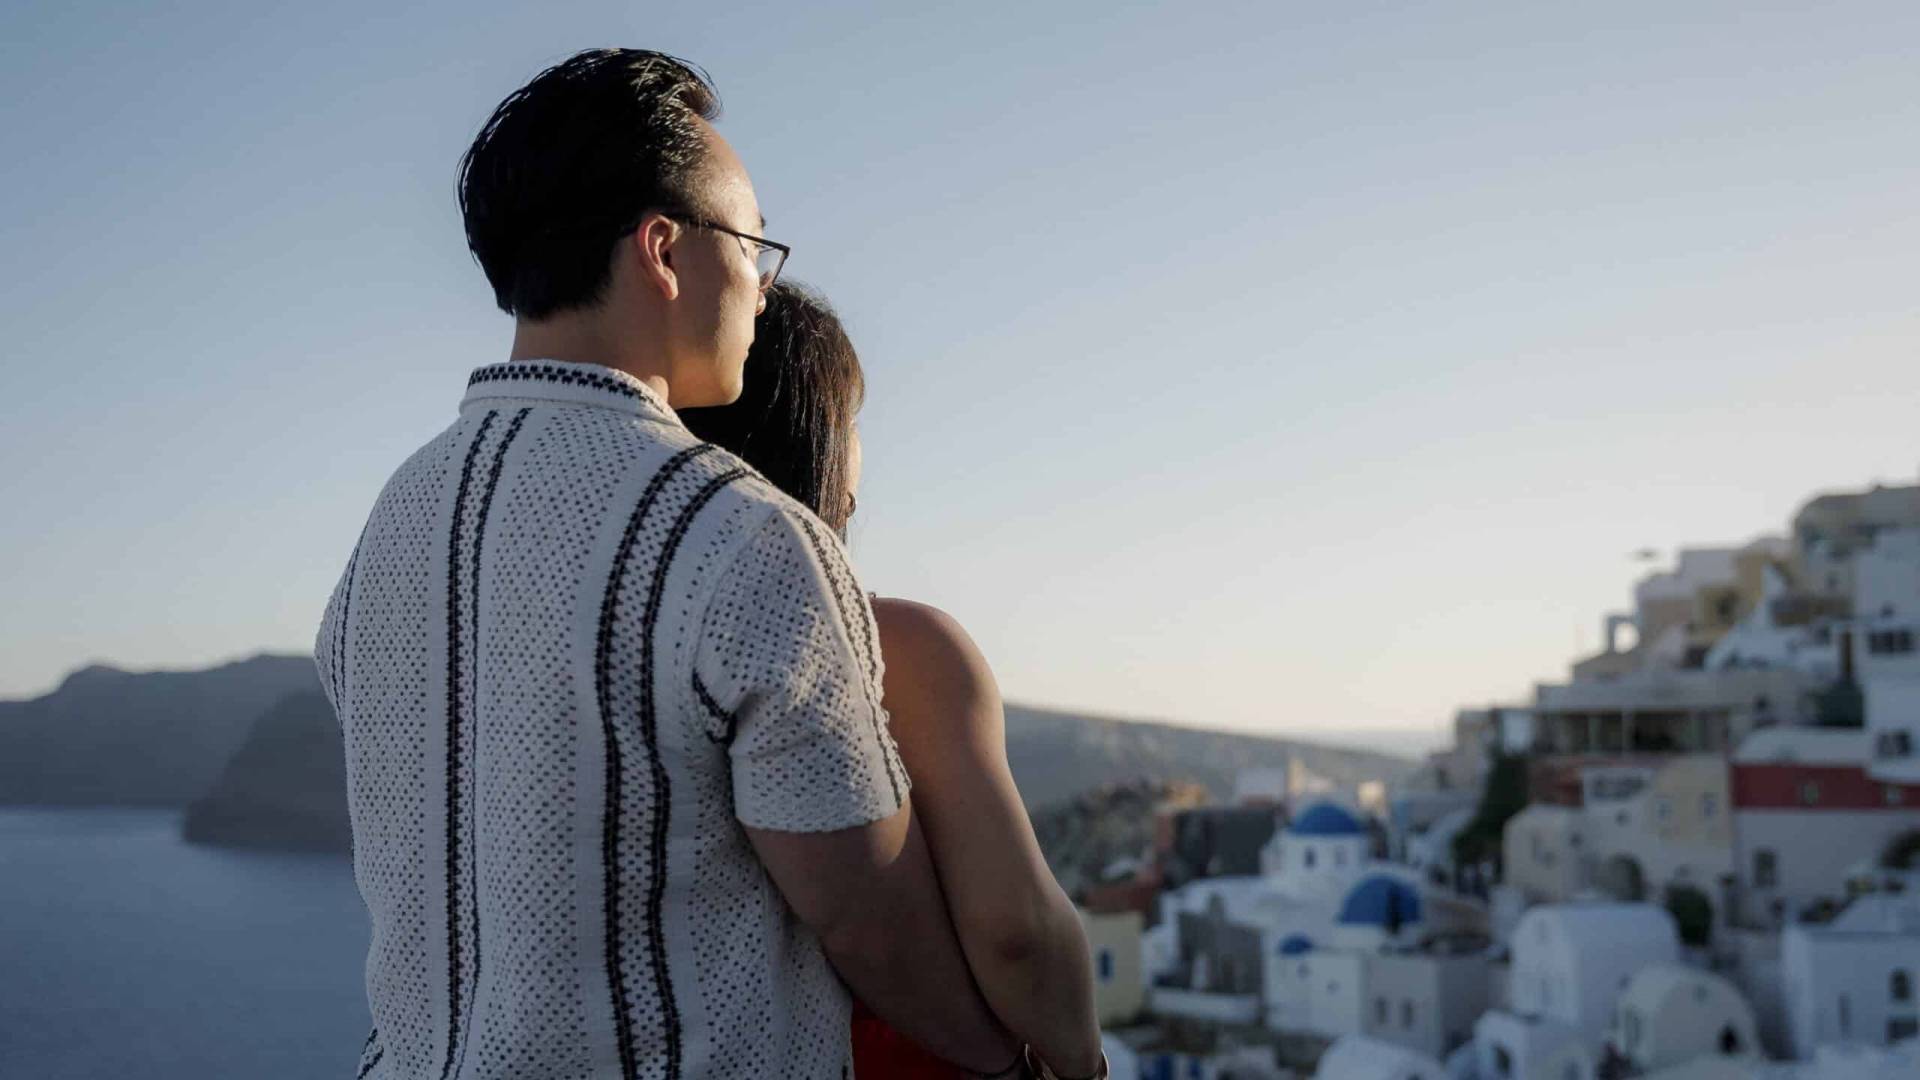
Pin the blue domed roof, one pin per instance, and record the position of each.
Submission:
(1381, 900)
(1295, 944)
(1326, 819)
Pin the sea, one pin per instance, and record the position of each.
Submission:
(126, 952)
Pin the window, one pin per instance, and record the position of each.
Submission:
(1106, 965)
(1406, 1015)
(1900, 985)
(1502, 1061)
(1766, 868)
(1902, 1027)
(1893, 744)
(1306, 858)
(1380, 1011)
(1810, 792)
(1729, 1041)
(1884, 642)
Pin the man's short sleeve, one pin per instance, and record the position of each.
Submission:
(789, 663)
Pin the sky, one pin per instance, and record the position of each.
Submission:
(1299, 368)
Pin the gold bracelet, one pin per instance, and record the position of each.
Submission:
(1042, 1071)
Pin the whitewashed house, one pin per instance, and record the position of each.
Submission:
(1830, 1063)
(1426, 1001)
(1116, 947)
(1806, 812)
(1320, 854)
(1670, 1014)
(1656, 823)
(1510, 1046)
(1855, 980)
(1571, 961)
(1357, 1057)
(1545, 848)
(1429, 852)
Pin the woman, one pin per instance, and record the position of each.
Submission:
(1021, 937)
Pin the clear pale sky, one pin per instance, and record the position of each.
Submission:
(1302, 368)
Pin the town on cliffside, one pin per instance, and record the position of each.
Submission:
(1697, 858)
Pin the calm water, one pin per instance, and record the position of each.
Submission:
(124, 953)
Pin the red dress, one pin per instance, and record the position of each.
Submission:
(881, 1053)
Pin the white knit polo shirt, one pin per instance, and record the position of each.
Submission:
(573, 652)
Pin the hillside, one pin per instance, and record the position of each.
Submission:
(254, 748)
(284, 788)
(112, 737)
(1057, 756)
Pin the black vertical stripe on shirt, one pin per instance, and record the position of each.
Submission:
(375, 1060)
(840, 585)
(603, 690)
(473, 797)
(453, 741)
(340, 629)
(662, 792)
(726, 719)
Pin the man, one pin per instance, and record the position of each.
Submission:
(620, 783)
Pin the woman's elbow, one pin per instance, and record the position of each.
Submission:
(1020, 937)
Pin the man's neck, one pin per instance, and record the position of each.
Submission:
(575, 338)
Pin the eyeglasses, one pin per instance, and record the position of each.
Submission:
(768, 257)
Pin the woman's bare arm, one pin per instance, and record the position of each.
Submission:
(1020, 933)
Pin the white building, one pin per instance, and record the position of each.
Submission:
(1670, 1014)
(1763, 640)
(1806, 812)
(1356, 1057)
(1546, 852)
(1319, 855)
(1510, 1046)
(1893, 725)
(1831, 1063)
(1429, 852)
(1570, 961)
(1114, 942)
(1658, 822)
(1323, 992)
(1855, 980)
(1425, 1001)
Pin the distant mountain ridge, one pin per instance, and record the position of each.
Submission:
(285, 788)
(252, 750)
(107, 737)
(1058, 756)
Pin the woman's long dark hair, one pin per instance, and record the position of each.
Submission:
(794, 421)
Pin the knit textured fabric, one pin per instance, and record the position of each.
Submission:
(574, 652)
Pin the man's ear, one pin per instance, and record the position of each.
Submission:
(653, 244)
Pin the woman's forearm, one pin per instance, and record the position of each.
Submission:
(1038, 979)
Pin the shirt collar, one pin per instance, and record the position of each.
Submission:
(568, 382)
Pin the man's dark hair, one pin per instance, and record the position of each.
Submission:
(795, 420)
(571, 158)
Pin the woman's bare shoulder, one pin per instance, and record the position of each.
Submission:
(927, 649)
